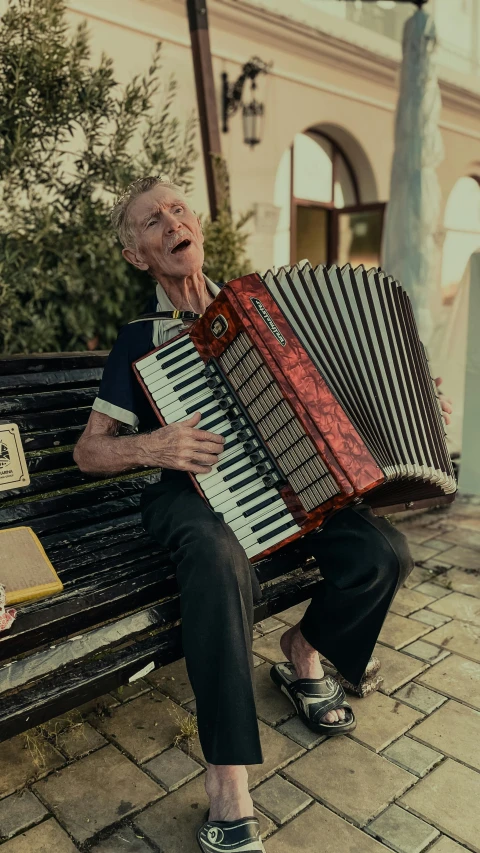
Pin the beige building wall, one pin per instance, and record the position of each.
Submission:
(327, 72)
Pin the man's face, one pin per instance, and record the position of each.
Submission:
(168, 234)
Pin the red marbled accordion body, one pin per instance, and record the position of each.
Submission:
(323, 419)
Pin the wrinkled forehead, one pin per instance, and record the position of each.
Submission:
(148, 202)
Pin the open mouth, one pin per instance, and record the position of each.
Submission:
(180, 247)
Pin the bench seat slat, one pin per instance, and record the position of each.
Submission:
(48, 401)
(88, 535)
(69, 505)
(48, 362)
(34, 440)
(43, 484)
(49, 420)
(52, 381)
(69, 616)
(42, 462)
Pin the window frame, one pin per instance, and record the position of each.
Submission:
(332, 211)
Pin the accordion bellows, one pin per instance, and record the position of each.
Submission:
(320, 385)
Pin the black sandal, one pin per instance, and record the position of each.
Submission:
(233, 836)
(313, 698)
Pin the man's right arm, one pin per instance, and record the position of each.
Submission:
(179, 446)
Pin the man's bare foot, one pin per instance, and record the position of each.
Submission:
(227, 789)
(307, 664)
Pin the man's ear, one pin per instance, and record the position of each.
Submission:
(133, 258)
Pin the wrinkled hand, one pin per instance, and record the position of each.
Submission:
(445, 402)
(182, 447)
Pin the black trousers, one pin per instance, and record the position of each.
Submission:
(363, 560)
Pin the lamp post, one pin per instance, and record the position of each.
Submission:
(253, 111)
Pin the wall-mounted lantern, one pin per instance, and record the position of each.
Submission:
(253, 111)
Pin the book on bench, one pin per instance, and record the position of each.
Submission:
(25, 570)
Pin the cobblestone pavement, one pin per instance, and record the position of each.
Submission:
(406, 780)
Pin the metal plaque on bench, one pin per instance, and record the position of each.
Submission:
(13, 467)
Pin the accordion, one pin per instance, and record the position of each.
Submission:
(319, 383)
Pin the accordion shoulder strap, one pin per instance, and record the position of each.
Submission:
(167, 315)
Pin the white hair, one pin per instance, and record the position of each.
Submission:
(121, 220)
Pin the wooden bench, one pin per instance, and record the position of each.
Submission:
(119, 609)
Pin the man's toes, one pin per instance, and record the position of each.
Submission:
(341, 713)
(330, 717)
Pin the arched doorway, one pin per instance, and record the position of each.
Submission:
(462, 233)
(322, 216)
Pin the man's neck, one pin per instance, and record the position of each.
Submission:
(187, 294)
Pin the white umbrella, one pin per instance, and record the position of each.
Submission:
(410, 252)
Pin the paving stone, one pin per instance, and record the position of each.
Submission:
(143, 727)
(79, 740)
(279, 799)
(18, 812)
(72, 793)
(446, 845)
(269, 647)
(123, 840)
(396, 668)
(397, 631)
(460, 637)
(381, 719)
(407, 601)
(268, 625)
(349, 778)
(439, 544)
(419, 697)
(453, 730)
(131, 691)
(415, 532)
(298, 731)
(277, 749)
(273, 707)
(471, 524)
(448, 798)
(173, 768)
(459, 581)
(294, 614)
(429, 618)
(420, 552)
(438, 563)
(173, 680)
(17, 763)
(425, 651)
(465, 558)
(402, 831)
(462, 536)
(192, 706)
(412, 756)
(173, 822)
(47, 837)
(98, 705)
(457, 678)
(319, 829)
(432, 589)
(417, 576)
(459, 606)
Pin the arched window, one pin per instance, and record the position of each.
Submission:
(321, 215)
(462, 233)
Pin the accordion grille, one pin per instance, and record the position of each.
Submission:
(275, 420)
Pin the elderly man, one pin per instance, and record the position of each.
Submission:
(363, 558)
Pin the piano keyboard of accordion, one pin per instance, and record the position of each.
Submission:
(319, 383)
